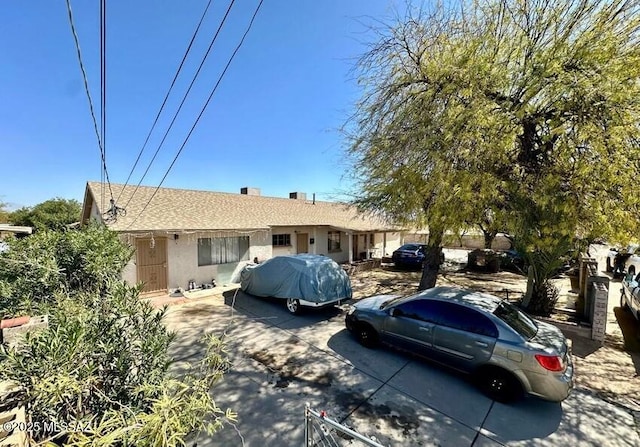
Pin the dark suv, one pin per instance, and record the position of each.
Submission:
(411, 255)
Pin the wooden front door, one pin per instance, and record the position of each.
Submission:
(151, 259)
(303, 243)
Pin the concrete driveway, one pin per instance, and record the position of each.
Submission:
(281, 362)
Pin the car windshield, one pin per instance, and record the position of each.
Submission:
(516, 319)
(409, 247)
(392, 301)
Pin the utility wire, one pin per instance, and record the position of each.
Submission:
(86, 89)
(103, 87)
(166, 97)
(255, 13)
(184, 98)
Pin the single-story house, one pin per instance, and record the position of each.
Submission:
(186, 235)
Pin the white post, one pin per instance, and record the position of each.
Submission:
(384, 244)
(350, 236)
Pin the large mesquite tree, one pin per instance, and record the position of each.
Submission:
(528, 105)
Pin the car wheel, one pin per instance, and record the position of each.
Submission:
(366, 335)
(293, 306)
(609, 266)
(500, 385)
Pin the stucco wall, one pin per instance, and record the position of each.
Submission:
(321, 241)
(182, 262)
(291, 231)
(129, 274)
(377, 245)
(394, 241)
(182, 253)
(183, 265)
(320, 244)
(260, 245)
(95, 214)
(343, 254)
(182, 259)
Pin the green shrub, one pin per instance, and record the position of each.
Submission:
(34, 269)
(103, 360)
(103, 363)
(29, 273)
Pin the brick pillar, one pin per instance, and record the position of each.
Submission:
(600, 304)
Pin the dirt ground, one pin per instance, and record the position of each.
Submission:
(610, 371)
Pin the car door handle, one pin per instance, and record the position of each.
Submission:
(482, 344)
(425, 329)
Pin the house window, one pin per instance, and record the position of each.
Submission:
(281, 240)
(222, 250)
(333, 241)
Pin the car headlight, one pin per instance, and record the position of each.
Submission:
(351, 310)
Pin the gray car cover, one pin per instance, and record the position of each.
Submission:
(312, 278)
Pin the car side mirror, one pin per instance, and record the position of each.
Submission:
(395, 312)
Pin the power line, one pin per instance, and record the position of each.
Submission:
(103, 87)
(86, 89)
(166, 97)
(184, 98)
(184, 143)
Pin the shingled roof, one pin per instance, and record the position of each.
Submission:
(191, 210)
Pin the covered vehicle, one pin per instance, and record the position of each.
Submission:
(303, 280)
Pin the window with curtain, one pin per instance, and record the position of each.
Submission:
(281, 240)
(222, 250)
(333, 241)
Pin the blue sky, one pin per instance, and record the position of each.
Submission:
(273, 123)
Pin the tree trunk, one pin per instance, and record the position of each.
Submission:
(529, 292)
(489, 236)
(431, 265)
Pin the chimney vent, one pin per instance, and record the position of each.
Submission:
(250, 191)
(298, 195)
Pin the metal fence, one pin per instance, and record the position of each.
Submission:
(321, 431)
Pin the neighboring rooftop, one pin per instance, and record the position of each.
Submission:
(182, 209)
(15, 229)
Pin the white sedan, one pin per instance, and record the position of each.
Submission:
(630, 294)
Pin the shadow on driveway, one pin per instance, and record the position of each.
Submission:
(630, 328)
(445, 391)
(273, 311)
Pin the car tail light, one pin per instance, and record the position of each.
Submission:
(550, 362)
